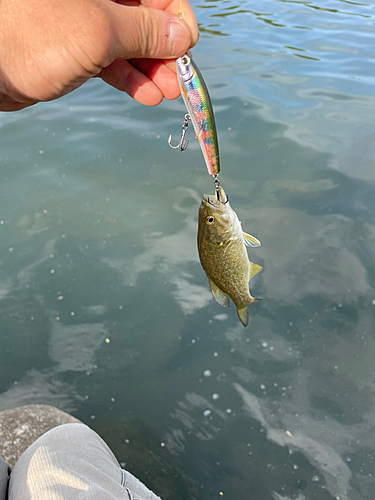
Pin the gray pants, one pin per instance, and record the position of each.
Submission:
(4, 478)
(70, 462)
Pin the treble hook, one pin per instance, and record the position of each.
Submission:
(182, 145)
(217, 186)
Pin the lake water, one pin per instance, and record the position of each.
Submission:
(106, 312)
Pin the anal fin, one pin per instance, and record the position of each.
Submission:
(220, 297)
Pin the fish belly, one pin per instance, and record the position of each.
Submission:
(228, 268)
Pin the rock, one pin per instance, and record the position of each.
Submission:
(20, 427)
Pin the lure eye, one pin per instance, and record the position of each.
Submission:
(185, 60)
(210, 220)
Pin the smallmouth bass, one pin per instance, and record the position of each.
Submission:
(222, 252)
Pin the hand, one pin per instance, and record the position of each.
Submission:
(49, 47)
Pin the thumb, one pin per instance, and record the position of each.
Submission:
(142, 32)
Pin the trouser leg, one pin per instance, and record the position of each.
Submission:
(72, 462)
(4, 478)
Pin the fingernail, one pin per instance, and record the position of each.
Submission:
(178, 38)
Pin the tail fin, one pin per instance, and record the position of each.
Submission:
(243, 314)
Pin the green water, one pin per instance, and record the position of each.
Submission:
(106, 312)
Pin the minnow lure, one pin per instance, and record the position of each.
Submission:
(198, 104)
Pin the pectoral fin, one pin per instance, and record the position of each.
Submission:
(220, 297)
(254, 269)
(250, 241)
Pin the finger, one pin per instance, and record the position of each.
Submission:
(8, 105)
(159, 73)
(131, 3)
(125, 77)
(177, 7)
(171, 64)
(140, 32)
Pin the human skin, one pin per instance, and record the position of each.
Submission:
(48, 48)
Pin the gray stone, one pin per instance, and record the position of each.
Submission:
(20, 427)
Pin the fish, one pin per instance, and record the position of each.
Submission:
(198, 104)
(223, 255)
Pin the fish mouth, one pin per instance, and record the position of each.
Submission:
(209, 199)
(208, 202)
(217, 199)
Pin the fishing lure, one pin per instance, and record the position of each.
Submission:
(198, 104)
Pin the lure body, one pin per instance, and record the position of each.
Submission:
(198, 103)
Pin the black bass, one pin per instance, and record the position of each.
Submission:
(222, 252)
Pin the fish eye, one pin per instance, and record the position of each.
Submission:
(210, 220)
(185, 60)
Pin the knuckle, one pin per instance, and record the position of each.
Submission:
(148, 34)
(100, 33)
